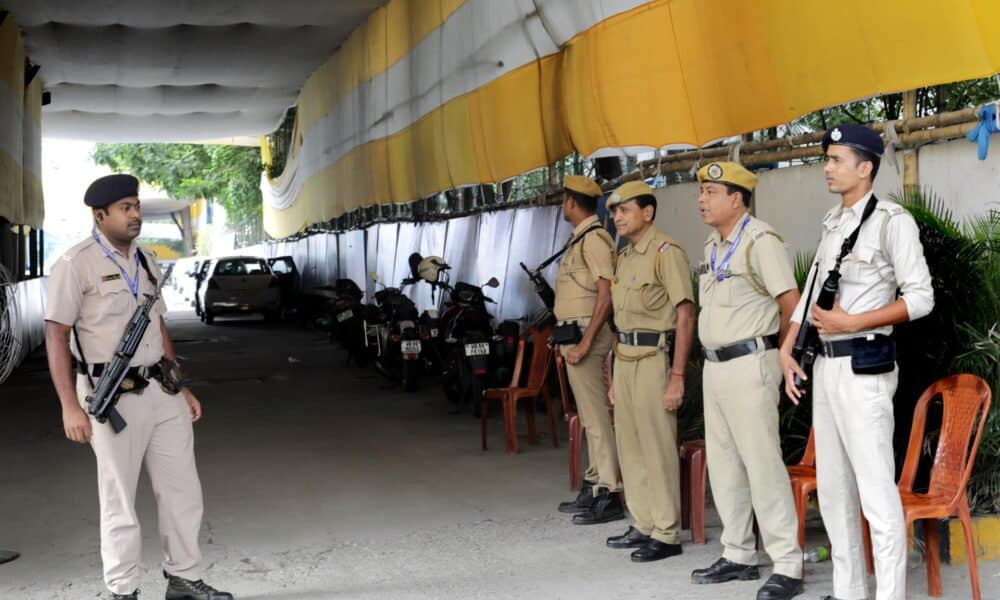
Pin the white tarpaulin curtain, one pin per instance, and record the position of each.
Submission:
(477, 247)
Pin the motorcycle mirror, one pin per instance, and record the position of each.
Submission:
(493, 283)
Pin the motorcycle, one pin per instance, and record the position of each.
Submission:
(348, 315)
(472, 355)
(396, 336)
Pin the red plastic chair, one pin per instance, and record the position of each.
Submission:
(694, 476)
(966, 405)
(535, 386)
(573, 421)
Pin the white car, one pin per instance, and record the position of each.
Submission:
(239, 285)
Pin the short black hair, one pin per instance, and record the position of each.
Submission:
(587, 203)
(744, 193)
(646, 200)
(864, 156)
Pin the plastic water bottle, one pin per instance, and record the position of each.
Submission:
(817, 554)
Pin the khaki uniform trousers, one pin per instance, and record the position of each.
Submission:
(647, 446)
(745, 464)
(586, 379)
(159, 434)
(853, 416)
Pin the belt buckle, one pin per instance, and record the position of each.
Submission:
(712, 355)
(827, 348)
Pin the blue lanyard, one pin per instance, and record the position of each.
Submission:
(720, 273)
(133, 282)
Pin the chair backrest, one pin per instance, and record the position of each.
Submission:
(541, 357)
(809, 456)
(965, 401)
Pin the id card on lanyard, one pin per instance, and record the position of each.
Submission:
(721, 273)
(131, 281)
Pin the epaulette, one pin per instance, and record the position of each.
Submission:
(73, 251)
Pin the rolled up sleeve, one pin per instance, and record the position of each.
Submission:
(902, 241)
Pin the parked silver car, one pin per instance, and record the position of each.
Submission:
(239, 285)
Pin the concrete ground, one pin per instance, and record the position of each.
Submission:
(321, 483)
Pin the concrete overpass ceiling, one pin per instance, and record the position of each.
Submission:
(148, 70)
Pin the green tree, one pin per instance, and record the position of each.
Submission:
(229, 175)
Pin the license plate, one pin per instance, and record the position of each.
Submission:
(347, 314)
(411, 346)
(434, 333)
(480, 349)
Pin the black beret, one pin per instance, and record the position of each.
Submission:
(110, 188)
(855, 136)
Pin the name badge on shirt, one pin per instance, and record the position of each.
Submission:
(111, 277)
(703, 268)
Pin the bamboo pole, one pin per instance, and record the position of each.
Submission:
(911, 174)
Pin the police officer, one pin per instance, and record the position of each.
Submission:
(94, 289)
(854, 378)
(655, 317)
(747, 295)
(583, 305)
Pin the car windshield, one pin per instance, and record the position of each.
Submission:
(241, 266)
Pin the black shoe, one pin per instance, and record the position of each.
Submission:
(133, 596)
(656, 550)
(779, 587)
(583, 501)
(608, 507)
(633, 538)
(725, 570)
(828, 598)
(179, 588)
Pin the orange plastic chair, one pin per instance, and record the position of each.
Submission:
(535, 386)
(694, 475)
(966, 405)
(803, 479)
(573, 421)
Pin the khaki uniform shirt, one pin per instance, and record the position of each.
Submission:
(643, 299)
(87, 290)
(742, 306)
(584, 263)
(887, 257)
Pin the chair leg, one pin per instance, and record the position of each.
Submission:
(483, 404)
(699, 470)
(552, 416)
(510, 424)
(801, 502)
(529, 411)
(686, 480)
(933, 556)
(575, 477)
(970, 547)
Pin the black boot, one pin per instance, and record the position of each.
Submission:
(633, 538)
(607, 507)
(780, 587)
(179, 588)
(656, 550)
(583, 501)
(725, 570)
(133, 596)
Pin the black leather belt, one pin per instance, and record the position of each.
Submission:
(836, 348)
(97, 369)
(644, 338)
(739, 349)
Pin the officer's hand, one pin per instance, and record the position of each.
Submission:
(674, 396)
(832, 321)
(790, 368)
(193, 404)
(77, 425)
(611, 395)
(578, 353)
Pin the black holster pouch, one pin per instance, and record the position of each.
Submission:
(568, 333)
(873, 356)
(168, 374)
